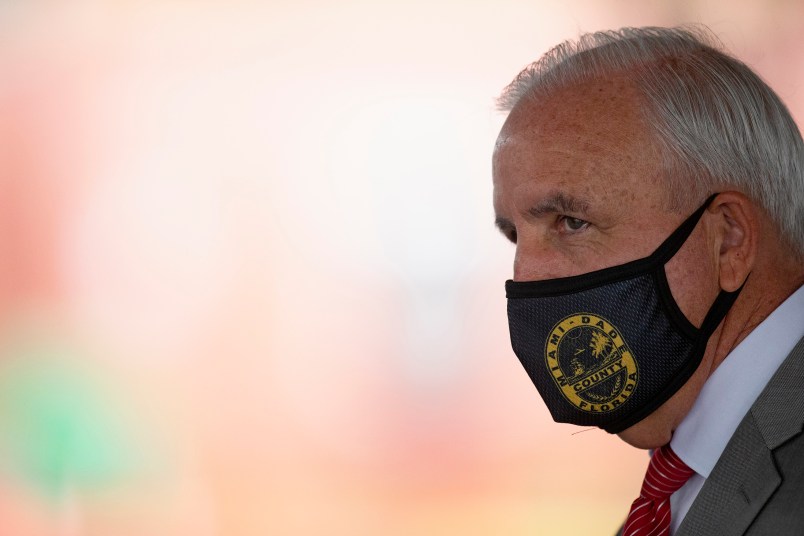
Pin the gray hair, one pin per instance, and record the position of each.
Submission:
(715, 120)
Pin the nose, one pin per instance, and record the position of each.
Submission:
(537, 260)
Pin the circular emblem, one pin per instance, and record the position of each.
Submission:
(591, 363)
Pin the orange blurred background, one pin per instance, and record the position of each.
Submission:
(249, 280)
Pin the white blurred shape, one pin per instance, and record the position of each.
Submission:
(409, 158)
(416, 162)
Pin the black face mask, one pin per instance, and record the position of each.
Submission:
(608, 347)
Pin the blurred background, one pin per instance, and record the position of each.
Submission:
(249, 280)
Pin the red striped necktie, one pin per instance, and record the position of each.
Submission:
(650, 513)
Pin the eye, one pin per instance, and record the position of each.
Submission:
(572, 224)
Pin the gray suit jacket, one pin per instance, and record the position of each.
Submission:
(757, 486)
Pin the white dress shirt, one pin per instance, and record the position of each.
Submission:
(728, 394)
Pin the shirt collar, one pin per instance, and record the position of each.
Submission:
(735, 384)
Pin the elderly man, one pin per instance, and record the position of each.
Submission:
(654, 188)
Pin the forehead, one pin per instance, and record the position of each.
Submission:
(588, 140)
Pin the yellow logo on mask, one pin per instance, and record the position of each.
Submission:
(591, 363)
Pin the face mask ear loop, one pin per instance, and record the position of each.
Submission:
(718, 311)
(670, 247)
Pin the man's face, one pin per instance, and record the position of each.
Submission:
(577, 188)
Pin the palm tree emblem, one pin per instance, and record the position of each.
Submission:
(600, 345)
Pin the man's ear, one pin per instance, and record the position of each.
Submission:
(738, 230)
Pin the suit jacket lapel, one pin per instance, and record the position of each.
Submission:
(746, 476)
(739, 485)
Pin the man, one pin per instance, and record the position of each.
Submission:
(654, 188)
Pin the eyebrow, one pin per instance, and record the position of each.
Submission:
(559, 203)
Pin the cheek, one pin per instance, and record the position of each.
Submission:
(692, 275)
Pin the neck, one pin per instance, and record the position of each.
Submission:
(766, 288)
